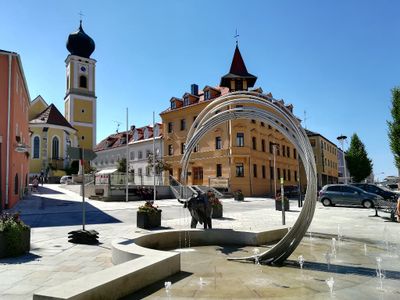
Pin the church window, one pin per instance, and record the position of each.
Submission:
(55, 147)
(83, 81)
(36, 147)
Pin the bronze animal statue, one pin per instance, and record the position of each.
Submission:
(200, 209)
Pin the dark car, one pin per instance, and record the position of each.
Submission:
(372, 188)
(332, 194)
(291, 191)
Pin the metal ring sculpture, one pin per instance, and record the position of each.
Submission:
(270, 111)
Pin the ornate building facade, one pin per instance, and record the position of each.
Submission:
(234, 156)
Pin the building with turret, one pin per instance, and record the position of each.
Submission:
(237, 155)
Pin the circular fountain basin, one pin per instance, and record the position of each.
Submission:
(206, 273)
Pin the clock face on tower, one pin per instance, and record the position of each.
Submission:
(83, 68)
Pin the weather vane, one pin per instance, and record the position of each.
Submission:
(236, 36)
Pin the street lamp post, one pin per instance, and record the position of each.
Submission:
(274, 147)
(341, 140)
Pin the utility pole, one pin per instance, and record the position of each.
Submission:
(127, 160)
(154, 158)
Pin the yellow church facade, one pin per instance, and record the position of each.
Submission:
(51, 132)
(237, 155)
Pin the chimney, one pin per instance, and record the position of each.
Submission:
(194, 89)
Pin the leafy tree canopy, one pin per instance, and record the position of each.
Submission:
(358, 163)
(394, 126)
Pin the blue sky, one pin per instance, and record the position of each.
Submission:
(336, 60)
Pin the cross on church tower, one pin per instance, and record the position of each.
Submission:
(236, 36)
(80, 17)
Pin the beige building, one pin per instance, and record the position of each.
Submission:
(234, 156)
(326, 159)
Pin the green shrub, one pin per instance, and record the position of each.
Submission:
(13, 229)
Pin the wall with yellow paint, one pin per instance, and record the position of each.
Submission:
(83, 111)
(36, 109)
(87, 134)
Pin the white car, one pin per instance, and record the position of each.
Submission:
(66, 179)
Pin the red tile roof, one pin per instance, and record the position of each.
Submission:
(118, 139)
(51, 116)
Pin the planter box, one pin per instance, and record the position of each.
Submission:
(217, 211)
(278, 205)
(148, 220)
(21, 245)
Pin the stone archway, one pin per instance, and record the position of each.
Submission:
(270, 111)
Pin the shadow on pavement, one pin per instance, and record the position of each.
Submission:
(45, 190)
(39, 211)
(339, 269)
(20, 259)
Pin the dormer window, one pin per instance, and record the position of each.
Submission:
(173, 104)
(207, 95)
(186, 101)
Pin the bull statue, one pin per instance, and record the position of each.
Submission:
(200, 209)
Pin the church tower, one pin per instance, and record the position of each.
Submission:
(80, 97)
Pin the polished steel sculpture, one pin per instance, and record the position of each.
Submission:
(265, 109)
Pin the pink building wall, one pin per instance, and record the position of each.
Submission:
(18, 163)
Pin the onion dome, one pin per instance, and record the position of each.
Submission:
(80, 44)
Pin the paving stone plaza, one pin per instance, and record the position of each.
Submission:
(55, 210)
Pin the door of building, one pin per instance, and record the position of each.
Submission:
(197, 175)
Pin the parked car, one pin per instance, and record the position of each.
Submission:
(345, 194)
(66, 179)
(374, 189)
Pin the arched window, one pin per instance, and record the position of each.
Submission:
(55, 148)
(83, 81)
(36, 147)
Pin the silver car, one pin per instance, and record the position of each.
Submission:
(344, 194)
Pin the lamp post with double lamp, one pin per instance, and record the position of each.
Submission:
(341, 140)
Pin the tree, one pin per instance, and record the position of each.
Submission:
(160, 165)
(394, 127)
(122, 165)
(358, 163)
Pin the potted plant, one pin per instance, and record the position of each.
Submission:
(15, 236)
(217, 208)
(148, 216)
(238, 195)
(278, 202)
